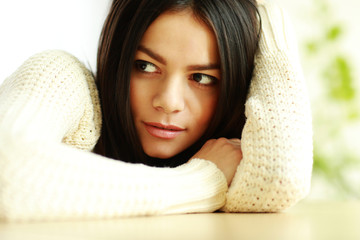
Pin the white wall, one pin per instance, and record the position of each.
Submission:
(31, 26)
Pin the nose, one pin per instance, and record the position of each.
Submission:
(170, 96)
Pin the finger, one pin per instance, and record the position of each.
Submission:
(235, 141)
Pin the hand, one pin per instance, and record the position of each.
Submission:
(225, 153)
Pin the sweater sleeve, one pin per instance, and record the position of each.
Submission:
(275, 172)
(44, 177)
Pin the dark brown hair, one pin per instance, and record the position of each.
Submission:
(236, 26)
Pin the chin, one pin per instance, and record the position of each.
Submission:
(160, 154)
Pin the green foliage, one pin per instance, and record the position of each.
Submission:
(339, 80)
(312, 47)
(337, 102)
(334, 33)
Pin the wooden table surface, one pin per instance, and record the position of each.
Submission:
(307, 220)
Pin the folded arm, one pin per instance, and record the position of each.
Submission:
(275, 172)
(48, 99)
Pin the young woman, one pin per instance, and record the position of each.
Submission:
(171, 95)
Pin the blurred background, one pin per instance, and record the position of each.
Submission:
(328, 38)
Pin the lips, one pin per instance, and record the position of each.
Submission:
(159, 130)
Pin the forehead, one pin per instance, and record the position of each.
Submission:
(181, 34)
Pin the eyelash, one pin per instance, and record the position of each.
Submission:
(213, 80)
(141, 65)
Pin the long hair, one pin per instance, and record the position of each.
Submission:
(235, 24)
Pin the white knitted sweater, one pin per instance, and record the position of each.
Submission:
(50, 120)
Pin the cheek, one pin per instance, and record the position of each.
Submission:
(205, 110)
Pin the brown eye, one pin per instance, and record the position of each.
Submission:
(144, 66)
(204, 79)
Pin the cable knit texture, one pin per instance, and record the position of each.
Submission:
(50, 120)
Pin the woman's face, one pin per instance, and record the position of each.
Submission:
(174, 84)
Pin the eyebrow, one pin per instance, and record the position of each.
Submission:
(152, 54)
(214, 66)
(159, 58)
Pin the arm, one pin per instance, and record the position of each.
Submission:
(41, 105)
(275, 172)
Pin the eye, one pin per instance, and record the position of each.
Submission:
(204, 79)
(146, 67)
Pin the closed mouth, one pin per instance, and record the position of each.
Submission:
(162, 131)
(164, 127)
